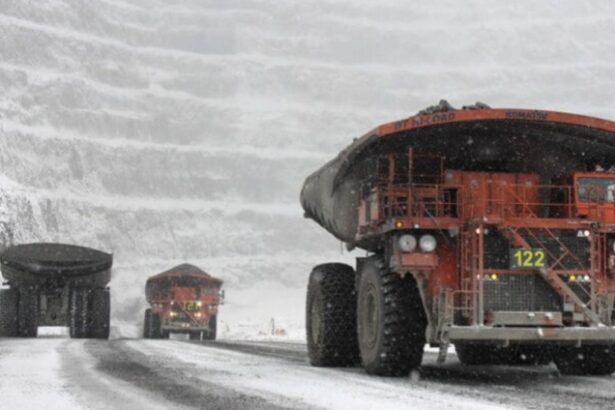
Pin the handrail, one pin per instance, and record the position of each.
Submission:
(444, 200)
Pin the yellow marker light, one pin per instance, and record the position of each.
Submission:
(399, 224)
(572, 278)
(493, 276)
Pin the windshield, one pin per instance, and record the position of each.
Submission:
(596, 189)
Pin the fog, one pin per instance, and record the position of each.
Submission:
(172, 131)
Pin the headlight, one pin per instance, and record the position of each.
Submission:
(197, 314)
(407, 243)
(427, 243)
(173, 314)
(199, 303)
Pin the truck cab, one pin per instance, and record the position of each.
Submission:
(594, 195)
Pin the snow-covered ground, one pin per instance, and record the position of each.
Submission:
(55, 372)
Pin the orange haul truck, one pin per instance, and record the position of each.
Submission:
(489, 229)
(183, 299)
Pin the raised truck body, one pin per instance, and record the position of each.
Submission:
(492, 229)
(183, 299)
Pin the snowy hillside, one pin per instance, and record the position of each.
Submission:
(182, 131)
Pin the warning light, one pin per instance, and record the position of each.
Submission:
(572, 278)
(399, 224)
(493, 276)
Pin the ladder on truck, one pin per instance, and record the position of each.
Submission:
(597, 310)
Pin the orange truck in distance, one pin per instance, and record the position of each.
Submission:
(489, 229)
(185, 300)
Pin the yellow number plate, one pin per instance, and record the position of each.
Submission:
(527, 258)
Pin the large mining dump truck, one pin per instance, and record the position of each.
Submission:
(183, 299)
(51, 284)
(491, 229)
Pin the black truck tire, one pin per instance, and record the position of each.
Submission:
(147, 323)
(213, 329)
(595, 360)
(476, 354)
(99, 314)
(78, 313)
(473, 354)
(195, 335)
(155, 331)
(391, 320)
(8, 312)
(527, 355)
(331, 324)
(27, 316)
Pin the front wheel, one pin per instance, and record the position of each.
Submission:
(472, 354)
(593, 360)
(152, 326)
(147, 319)
(213, 329)
(391, 320)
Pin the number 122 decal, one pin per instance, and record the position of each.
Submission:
(527, 258)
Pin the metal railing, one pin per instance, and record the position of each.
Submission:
(496, 199)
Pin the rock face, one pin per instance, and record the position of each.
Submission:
(182, 132)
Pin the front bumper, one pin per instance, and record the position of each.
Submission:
(185, 327)
(533, 334)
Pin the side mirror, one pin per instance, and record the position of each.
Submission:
(221, 295)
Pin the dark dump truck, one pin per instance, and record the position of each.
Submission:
(183, 299)
(52, 284)
(491, 229)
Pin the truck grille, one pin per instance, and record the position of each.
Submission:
(524, 292)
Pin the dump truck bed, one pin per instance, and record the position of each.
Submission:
(43, 262)
(184, 275)
(549, 144)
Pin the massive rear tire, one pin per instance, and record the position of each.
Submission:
(391, 320)
(331, 316)
(99, 314)
(27, 316)
(78, 313)
(8, 312)
(593, 360)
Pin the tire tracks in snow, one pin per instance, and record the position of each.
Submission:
(121, 377)
(532, 387)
